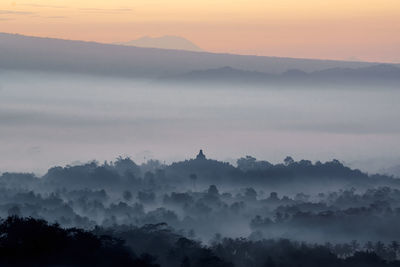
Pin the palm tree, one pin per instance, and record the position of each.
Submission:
(379, 248)
(394, 246)
(369, 246)
(354, 246)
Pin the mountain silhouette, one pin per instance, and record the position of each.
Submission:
(164, 42)
(382, 73)
(18, 52)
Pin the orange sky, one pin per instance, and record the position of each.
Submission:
(334, 29)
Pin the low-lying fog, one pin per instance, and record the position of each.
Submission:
(51, 119)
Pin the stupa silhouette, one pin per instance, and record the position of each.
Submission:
(201, 156)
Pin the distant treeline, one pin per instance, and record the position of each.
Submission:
(124, 173)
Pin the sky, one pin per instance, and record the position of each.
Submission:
(367, 30)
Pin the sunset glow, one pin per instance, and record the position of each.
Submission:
(341, 29)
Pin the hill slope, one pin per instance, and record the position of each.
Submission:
(33, 53)
(164, 42)
(379, 73)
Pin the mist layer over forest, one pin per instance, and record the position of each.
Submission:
(54, 118)
(203, 210)
(219, 209)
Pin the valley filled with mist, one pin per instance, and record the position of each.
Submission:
(60, 118)
(116, 155)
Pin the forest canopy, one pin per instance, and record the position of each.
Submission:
(200, 212)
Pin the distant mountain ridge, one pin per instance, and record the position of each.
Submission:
(18, 52)
(378, 73)
(164, 42)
